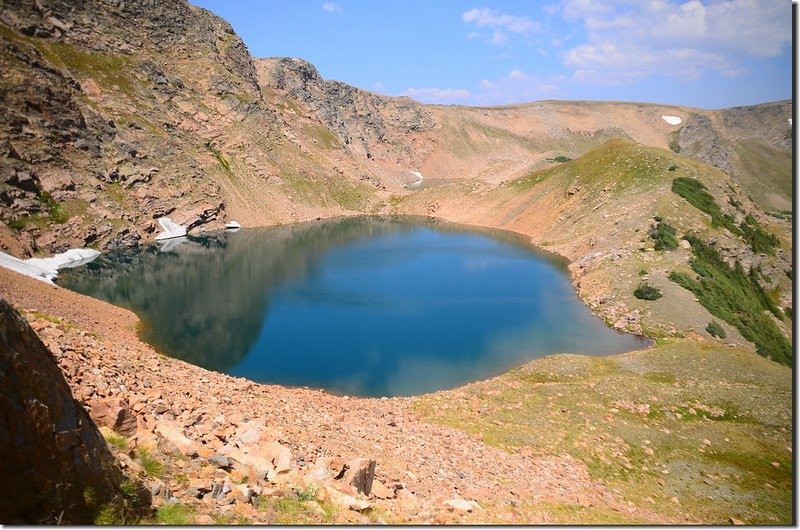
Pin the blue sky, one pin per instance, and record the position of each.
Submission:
(710, 54)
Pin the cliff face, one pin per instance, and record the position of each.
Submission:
(367, 124)
(752, 144)
(55, 461)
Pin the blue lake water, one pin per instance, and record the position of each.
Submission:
(370, 306)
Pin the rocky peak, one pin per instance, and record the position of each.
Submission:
(172, 27)
(363, 121)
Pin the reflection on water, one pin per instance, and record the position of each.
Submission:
(364, 306)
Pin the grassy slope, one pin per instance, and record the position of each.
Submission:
(570, 403)
(690, 429)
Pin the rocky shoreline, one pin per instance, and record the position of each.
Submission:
(227, 445)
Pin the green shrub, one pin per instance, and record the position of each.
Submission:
(788, 311)
(672, 168)
(18, 224)
(761, 241)
(674, 139)
(737, 298)
(695, 192)
(715, 329)
(647, 292)
(559, 159)
(664, 235)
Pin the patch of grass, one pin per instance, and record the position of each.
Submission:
(322, 135)
(663, 234)
(116, 193)
(108, 70)
(293, 510)
(737, 298)
(660, 377)
(115, 440)
(788, 312)
(715, 412)
(558, 159)
(129, 490)
(715, 329)
(647, 292)
(110, 515)
(674, 141)
(695, 193)
(124, 509)
(223, 162)
(226, 519)
(307, 494)
(174, 514)
(54, 213)
(152, 466)
(563, 513)
(738, 401)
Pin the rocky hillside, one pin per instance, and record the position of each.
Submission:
(119, 113)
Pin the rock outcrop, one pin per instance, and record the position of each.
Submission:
(362, 121)
(56, 465)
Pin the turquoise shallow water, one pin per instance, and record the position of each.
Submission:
(370, 306)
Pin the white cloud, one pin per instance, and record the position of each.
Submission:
(437, 95)
(331, 7)
(499, 25)
(498, 37)
(627, 39)
(495, 19)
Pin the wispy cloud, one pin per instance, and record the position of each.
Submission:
(499, 24)
(331, 7)
(437, 95)
(628, 40)
(518, 86)
(496, 19)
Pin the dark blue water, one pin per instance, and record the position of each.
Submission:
(361, 306)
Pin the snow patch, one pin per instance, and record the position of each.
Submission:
(232, 225)
(66, 260)
(417, 183)
(672, 120)
(46, 269)
(170, 229)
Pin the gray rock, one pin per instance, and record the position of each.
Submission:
(220, 461)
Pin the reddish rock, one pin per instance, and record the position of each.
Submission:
(172, 433)
(115, 413)
(380, 491)
(360, 473)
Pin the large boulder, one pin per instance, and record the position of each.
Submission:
(56, 466)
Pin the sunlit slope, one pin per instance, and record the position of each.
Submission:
(598, 211)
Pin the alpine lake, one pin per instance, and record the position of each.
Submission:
(363, 306)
